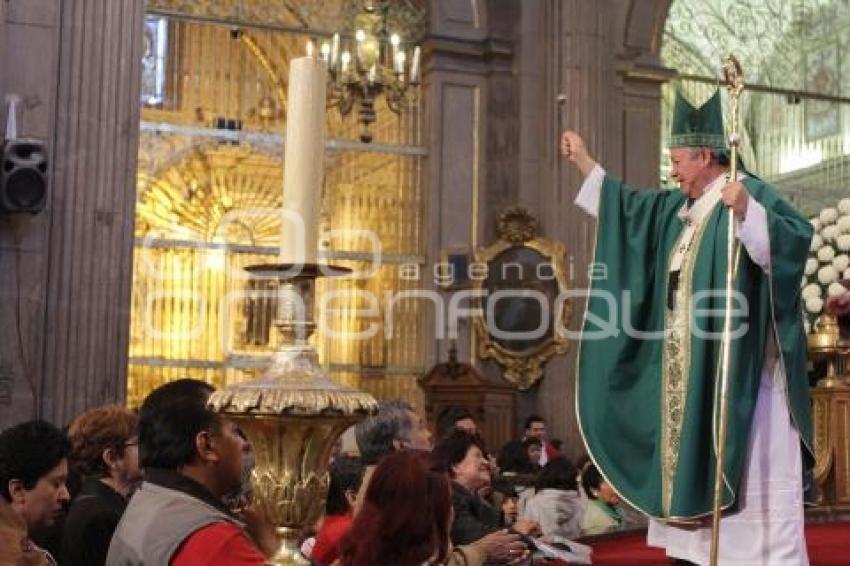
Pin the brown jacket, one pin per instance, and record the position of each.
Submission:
(16, 549)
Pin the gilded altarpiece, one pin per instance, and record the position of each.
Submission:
(210, 181)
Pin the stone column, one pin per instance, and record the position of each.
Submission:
(456, 106)
(79, 66)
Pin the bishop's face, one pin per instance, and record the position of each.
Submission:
(691, 167)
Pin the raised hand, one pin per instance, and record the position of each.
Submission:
(573, 148)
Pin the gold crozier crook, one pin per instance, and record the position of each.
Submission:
(734, 77)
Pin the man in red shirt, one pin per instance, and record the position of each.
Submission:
(192, 458)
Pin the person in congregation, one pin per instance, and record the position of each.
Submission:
(192, 457)
(456, 417)
(535, 427)
(505, 499)
(346, 475)
(556, 504)
(603, 513)
(646, 385)
(534, 448)
(104, 452)
(405, 517)
(33, 471)
(516, 468)
(461, 455)
(397, 428)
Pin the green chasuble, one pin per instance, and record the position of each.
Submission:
(646, 398)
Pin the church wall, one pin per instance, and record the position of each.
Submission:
(28, 40)
(76, 64)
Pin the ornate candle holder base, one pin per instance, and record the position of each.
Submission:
(832, 356)
(825, 344)
(292, 414)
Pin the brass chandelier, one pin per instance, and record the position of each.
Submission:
(375, 62)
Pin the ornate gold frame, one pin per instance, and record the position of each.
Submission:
(518, 229)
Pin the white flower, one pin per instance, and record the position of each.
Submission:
(827, 274)
(844, 206)
(843, 242)
(835, 290)
(812, 290)
(843, 225)
(807, 326)
(814, 305)
(811, 266)
(829, 233)
(846, 274)
(826, 254)
(815, 224)
(817, 242)
(828, 216)
(841, 262)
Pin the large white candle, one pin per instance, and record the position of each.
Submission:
(303, 166)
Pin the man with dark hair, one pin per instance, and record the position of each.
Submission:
(535, 427)
(192, 458)
(455, 417)
(346, 475)
(33, 470)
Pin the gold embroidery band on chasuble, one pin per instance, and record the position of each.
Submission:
(677, 365)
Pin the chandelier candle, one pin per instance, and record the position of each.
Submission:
(303, 165)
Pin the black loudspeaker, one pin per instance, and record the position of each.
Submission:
(23, 176)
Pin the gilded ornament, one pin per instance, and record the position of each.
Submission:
(517, 228)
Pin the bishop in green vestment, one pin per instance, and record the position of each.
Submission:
(648, 368)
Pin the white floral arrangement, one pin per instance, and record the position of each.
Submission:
(829, 259)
